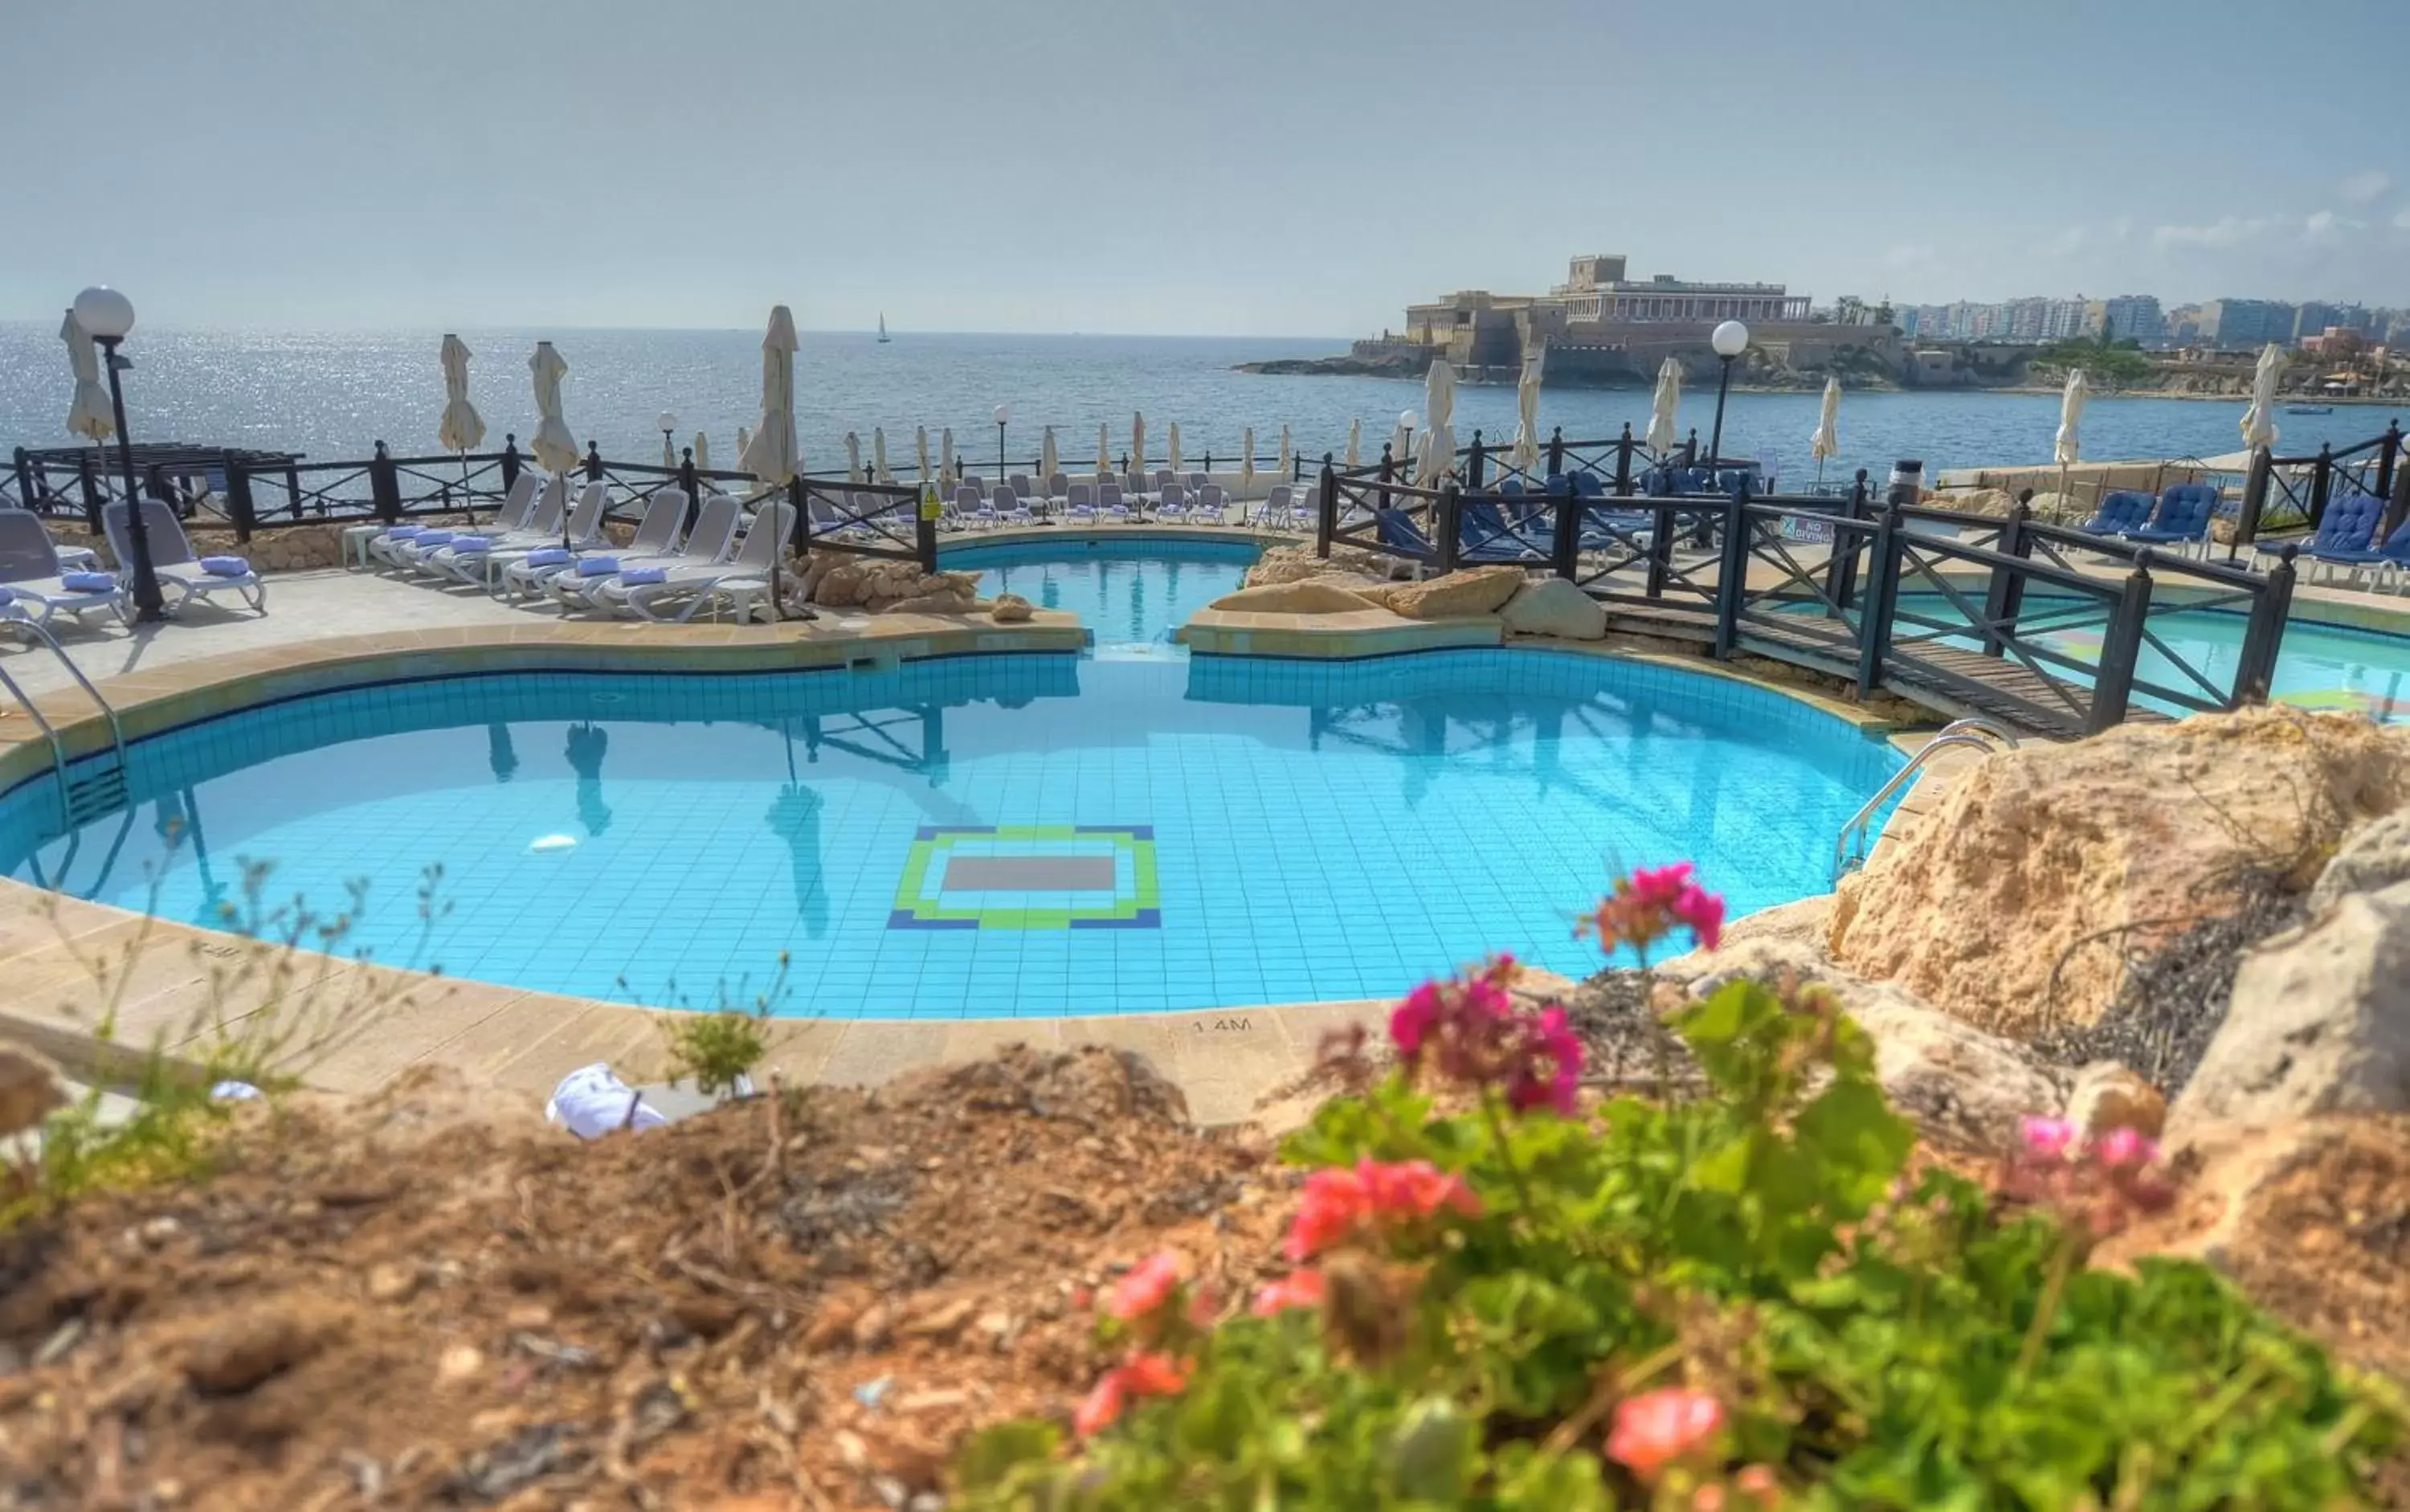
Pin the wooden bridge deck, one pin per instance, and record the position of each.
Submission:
(1947, 679)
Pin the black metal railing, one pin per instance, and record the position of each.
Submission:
(2281, 493)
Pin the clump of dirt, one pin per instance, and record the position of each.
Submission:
(1625, 1044)
(802, 1299)
(2173, 999)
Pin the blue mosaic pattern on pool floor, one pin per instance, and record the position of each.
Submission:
(1321, 831)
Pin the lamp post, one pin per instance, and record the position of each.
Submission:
(1730, 340)
(106, 316)
(1002, 419)
(667, 423)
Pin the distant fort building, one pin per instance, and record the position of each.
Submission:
(1601, 328)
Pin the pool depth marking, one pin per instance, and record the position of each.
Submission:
(1029, 877)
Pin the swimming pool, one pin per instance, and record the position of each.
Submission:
(1131, 594)
(981, 836)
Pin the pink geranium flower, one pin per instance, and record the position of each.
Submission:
(1140, 1376)
(1145, 1288)
(1657, 1429)
(1339, 1202)
(2123, 1149)
(1470, 1031)
(2046, 1139)
(1299, 1289)
(1651, 904)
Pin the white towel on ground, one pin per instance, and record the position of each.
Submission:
(591, 1101)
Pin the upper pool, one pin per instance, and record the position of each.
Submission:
(979, 836)
(1131, 594)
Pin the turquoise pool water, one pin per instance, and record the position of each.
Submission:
(982, 837)
(1132, 595)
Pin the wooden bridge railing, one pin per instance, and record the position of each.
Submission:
(1987, 611)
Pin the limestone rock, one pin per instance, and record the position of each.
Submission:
(2304, 1217)
(2319, 1022)
(1996, 503)
(1290, 564)
(2040, 868)
(2373, 856)
(1303, 597)
(2108, 1097)
(1474, 590)
(2062, 508)
(29, 1090)
(928, 603)
(1965, 1088)
(1010, 609)
(1555, 606)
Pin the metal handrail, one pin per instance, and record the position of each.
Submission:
(1971, 733)
(49, 731)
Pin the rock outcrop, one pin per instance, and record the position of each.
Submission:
(1457, 595)
(839, 581)
(2305, 1216)
(1010, 609)
(1305, 597)
(2320, 1022)
(2372, 857)
(1290, 564)
(2020, 897)
(1555, 606)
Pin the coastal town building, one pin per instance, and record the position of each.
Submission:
(2235, 324)
(1602, 325)
(2133, 317)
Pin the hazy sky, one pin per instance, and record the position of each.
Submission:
(1241, 166)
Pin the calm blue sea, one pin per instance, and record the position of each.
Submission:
(332, 394)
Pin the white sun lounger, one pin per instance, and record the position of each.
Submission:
(656, 534)
(483, 563)
(713, 536)
(34, 573)
(543, 515)
(703, 584)
(517, 507)
(173, 561)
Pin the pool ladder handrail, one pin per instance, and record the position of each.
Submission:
(108, 787)
(1969, 733)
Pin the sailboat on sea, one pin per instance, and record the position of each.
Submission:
(882, 327)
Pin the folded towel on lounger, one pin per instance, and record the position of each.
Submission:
(472, 542)
(636, 576)
(89, 582)
(597, 566)
(547, 557)
(225, 566)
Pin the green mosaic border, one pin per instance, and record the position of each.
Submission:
(1141, 910)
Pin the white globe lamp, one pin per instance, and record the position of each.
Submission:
(106, 316)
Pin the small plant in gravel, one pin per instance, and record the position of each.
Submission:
(717, 1049)
(1498, 1299)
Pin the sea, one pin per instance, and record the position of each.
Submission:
(331, 395)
